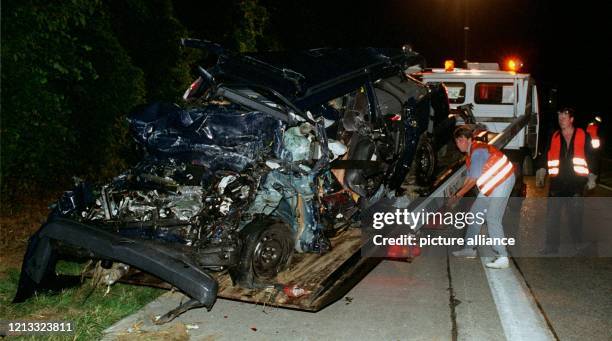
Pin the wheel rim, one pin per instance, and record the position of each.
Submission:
(269, 254)
(425, 161)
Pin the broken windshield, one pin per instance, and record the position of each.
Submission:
(261, 99)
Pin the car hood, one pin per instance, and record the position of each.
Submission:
(213, 135)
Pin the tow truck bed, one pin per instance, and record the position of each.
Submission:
(324, 277)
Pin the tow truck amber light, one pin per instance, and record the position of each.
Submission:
(449, 65)
(513, 64)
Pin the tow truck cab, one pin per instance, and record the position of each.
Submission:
(497, 98)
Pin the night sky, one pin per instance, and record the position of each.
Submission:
(563, 44)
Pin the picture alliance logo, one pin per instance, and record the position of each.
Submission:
(412, 219)
(412, 240)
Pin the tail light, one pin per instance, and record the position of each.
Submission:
(193, 89)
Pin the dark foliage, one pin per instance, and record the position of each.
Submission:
(72, 70)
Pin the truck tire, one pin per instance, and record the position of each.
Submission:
(519, 189)
(528, 167)
(268, 245)
(424, 161)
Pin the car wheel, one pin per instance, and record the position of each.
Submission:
(424, 161)
(267, 249)
(271, 251)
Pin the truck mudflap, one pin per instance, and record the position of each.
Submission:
(38, 269)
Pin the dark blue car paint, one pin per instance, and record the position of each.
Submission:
(213, 136)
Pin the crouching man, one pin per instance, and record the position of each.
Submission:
(491, 171)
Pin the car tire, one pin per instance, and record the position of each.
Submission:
(424, 161)
(267, 247)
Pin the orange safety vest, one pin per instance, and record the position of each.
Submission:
(579, 160)
(592, 129)
(495, 171)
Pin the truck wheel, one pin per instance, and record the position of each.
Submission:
(519, 189)
(528, 168)
(267, 249)
(424, 161)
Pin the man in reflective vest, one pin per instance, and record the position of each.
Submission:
(491, 171)
(569, 157)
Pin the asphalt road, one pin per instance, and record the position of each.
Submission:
(436, 297)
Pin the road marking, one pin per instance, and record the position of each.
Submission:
(517, 310)
(605, 187)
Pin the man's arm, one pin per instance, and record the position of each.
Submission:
(591, 155)
(545, 138)
(543, 160)
(591, 159)
(467, 186)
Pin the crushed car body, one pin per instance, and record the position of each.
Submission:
(270, 154)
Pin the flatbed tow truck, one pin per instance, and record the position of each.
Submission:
(328, 277)
(314, 281)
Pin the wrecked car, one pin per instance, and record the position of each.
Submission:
(269, 155)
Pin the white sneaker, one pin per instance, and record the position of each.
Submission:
(467, 253)
(499, 263)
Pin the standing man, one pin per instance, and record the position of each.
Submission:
(568, 159)
(491, 171)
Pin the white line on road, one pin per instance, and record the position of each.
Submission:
(519, 315)
(605, 187)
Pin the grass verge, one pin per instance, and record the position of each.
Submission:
(89, 309)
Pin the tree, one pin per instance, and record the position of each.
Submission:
(151, 35)
(65, 80)
(250, 30)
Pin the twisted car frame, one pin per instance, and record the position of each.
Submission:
(272, 154)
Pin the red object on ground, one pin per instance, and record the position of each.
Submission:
(403, 251)
(294, 291)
